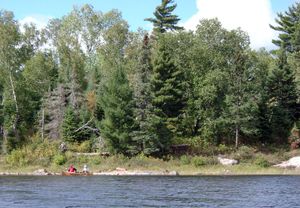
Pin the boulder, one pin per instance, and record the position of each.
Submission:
(294, 162)
(226, 161)
(173, 173)
(41, 172)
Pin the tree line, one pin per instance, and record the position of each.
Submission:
(86, 76)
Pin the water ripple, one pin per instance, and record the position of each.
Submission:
(107, 191)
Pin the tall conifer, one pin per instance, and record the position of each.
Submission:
(117, 104)
(164, 19)
(282, 102)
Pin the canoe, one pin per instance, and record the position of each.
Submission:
(64, 173)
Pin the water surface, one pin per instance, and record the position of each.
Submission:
(123, 191)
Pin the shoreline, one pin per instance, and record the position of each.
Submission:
(267, 172)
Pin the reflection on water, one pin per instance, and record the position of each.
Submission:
(122, 191)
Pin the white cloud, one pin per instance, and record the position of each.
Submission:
(39, 20)
(252, 16)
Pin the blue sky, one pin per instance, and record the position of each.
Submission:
(258, 13)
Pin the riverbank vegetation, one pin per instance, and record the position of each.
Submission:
(39, 154)
(172, 98)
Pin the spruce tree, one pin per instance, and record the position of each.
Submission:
(143, 101)
(167, 92)
(117, 104)
(282, 101)
(164, 19)
(69, 125)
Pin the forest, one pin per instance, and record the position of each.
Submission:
(87, 78)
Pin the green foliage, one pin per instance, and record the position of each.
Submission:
(117, 104)
(167, 87)
(59, 159)
(17, 158)
(244, 153)
(262, 162)
(35, 152)
(288, 26)
(198, 161)
(142, 136)
(223, 149)
(96, 161)
(164, 19)
(103, 87)
(85, 146)
(282, 99)
(185, 160)
(70, 125)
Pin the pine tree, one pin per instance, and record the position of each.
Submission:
(282, 100)
(117, 104)
(288, 26)
(289, 42)
(164, 19)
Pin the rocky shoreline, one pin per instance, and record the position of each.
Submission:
(116, 172)
(290, 167)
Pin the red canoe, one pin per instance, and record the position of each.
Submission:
(76, 174)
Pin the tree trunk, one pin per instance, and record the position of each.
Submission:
(16, 106)
(43, 123)
(237, 134)
(4, 143)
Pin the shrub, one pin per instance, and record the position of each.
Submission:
(59, 159)
(222, 149)
(85, 146)
(96, 161)
(35, 152)
(17, 158)
(262, 162)
(198, 161)
(82, 159)
(185, 160)
(244, 153)
(211, 161)
(69, 155)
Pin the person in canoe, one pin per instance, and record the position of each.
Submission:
(72, 169)
(85, 169)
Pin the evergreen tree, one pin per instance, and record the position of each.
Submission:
(164, 19)
(282, 102)
(288, 26)
(117, 104)
(263, 62)
(289, 42)
(167, 88)
(70, 125)
(143, 100)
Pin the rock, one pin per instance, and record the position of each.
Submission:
(124, 172)
(173, 173)
(294, 162)
(226, 161)
(120, 169)
(41, 172)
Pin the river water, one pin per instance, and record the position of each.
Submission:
(138, 191)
